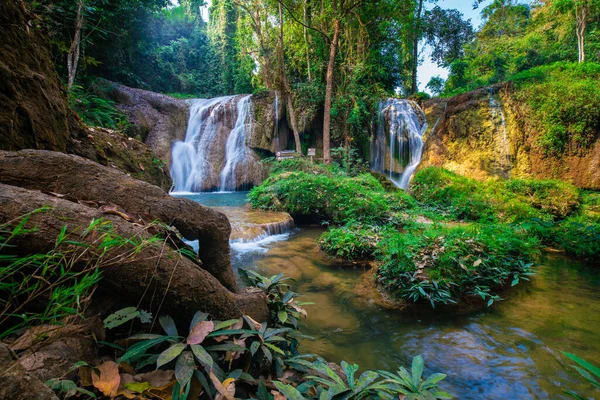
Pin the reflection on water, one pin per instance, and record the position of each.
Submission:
(509, 351)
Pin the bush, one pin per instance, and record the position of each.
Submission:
(353, 241)
(513, 200)
(577, 236)
(322, 198)
(554, 197)
(561, 102)
(441, 265)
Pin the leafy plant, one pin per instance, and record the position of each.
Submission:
(284, 309)
(411, 384)
(587, 371)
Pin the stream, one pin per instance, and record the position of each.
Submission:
(511, 350)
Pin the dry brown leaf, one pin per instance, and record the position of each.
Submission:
(142, 167)
(277, 395)
(85, 376)
(158, 379)
(108, 379)
(220, 387)
(476, 263)
(32, 335)
(123, 391)
(200, 331)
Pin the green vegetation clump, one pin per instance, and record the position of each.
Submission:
(91, 102)
(443, 264)
(321, 198)
(561, 102)
(353, 241)
(458, 197)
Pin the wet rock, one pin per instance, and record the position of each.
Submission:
(158, 119)
(34, 111)
(467, 139)
(16, 384)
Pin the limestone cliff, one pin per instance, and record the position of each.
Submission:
(484, 134)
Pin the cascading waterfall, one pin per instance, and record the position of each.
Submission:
(397, 147)
(236, 152)
(214, 155)
(502, 139)
(276, 133)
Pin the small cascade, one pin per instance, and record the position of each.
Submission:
(214, 154)
(397, 147)
(276, 133)
(499, 122)
(236, 151)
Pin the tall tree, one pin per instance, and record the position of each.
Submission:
(582, 12)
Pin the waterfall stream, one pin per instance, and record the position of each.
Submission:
(214, 155)
(397, 147)
(499, 122)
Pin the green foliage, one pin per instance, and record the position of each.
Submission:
(284, 309)
(560, 102)
(91, 102)
(513, 200)
(577, 236)
(322, 198)
(587, 371)
(441, 265)
(412, 385)
(352, 241)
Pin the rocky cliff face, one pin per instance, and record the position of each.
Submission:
(33, 106)
(483, 134)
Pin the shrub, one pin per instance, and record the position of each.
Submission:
(440, 265)
(321, 198)
(510, 201)
(352, 242)
(554, 197)
(561, 102)
(577, 236)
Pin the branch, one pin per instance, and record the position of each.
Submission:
(327, 38)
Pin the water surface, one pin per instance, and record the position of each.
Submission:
(511, 350)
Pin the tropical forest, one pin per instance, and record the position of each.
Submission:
(299, 199)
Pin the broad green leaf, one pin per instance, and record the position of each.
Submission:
(120, 317)
(138, 387)
(226, 347)
(223, 324)
(365, 379)
(169, 354)
(168, 325)
(202, 355)
(204, 382)
(590, 367)
(184, 368)
(349, 370)
(288, 391)
(417, 370)
(254, 347)
(283, 316)
(139, 349)
(275, 349)
(432, 380)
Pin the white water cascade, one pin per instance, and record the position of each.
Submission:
(236, 151)
(499, 122)
(214, 154)
(397, 147)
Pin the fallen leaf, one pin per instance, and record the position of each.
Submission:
(159, 379)
(142, 167)
(476, 263)
(223, 391)
(200, 331)
(277, 395)
(32, 335)
(107, 379)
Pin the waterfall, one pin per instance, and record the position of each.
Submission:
(276, 133)
(502, 139)
(213, 155)
(397, 147)
(236, 152)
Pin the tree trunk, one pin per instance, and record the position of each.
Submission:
(417, 36)
(329, 93)
(287, 92)
(75, 49)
